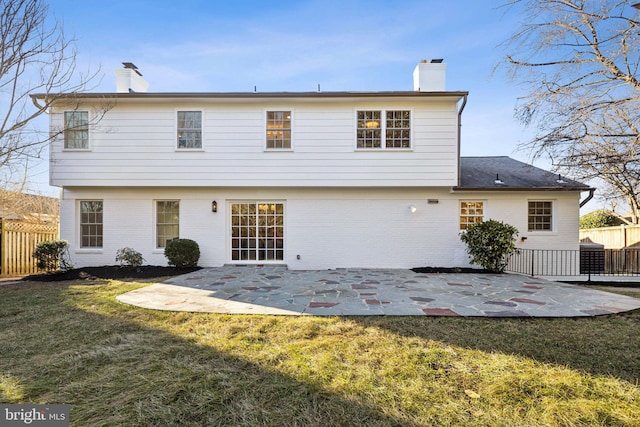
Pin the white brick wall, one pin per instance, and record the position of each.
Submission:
(328, 228)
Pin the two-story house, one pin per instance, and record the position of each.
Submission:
(313, 180)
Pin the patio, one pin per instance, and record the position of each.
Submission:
(370, 292)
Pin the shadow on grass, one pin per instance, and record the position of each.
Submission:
(61, 344)
(603, 345)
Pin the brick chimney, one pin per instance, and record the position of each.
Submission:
(430, 76)
(129, 79)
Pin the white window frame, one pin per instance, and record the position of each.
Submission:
(176, 129)
(266, 129)
(65, 130)
(460, 215)
(80, 245)
(554, 216)
(156, 224)
(383, 129)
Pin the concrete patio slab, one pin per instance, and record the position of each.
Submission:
(369, 292)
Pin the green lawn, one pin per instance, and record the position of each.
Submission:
(72, 342)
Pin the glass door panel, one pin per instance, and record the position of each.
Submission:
(257, 231)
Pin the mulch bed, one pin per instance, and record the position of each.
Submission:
(111, 272)
(451, 270)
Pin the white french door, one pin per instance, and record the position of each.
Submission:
(257, 231)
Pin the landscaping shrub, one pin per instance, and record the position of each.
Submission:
(53, 255)
(182, 253)
(129, 257)
(600, 218)
(490, 243)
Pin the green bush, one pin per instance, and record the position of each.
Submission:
(53, 255)
(490, 243)
(600, 218)
(182, 253)
(129, 257)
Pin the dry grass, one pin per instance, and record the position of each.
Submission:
(119, 365)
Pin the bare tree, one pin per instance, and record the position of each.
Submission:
(29, 207)
(35, 56)
(578, 60)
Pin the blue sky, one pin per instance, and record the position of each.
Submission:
(295, 45)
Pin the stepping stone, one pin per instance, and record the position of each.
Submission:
(528, 301)
(421, 299)
(502, 303)
(329, 282)
(322, 304)
(376, 302)
(596, 312)
(439, 312)
(357, 287)
(514, 313)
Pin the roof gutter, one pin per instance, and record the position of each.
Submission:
(464, 103)
(507, 189)
(589, 197)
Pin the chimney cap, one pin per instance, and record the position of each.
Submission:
(432, 61)
(132, 66)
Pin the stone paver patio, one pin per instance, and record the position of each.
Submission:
(368, 292)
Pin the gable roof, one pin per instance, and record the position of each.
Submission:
(505, 173)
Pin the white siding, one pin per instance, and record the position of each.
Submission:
(328, 228)
(135, 145)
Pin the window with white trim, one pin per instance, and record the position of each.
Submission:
(471, 212)
(540, 215)
(189, 129)
(91, 223)
(383, 129)
(167, 221)
(76, 130)
(278, 130)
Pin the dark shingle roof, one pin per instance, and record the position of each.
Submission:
(481, 173)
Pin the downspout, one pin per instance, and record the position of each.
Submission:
(589, 197)
(35, 102)
(464, 103)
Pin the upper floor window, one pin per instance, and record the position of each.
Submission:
(278, 129)
(76, 130)
(167, 222)
(384, 129)
(471, 212)
(540, 215)
(190, 129)
(91, 223)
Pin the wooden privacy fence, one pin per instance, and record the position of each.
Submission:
(613, 237)
(18, 239)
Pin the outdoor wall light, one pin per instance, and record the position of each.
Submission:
(214, 206)
(413, 209)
